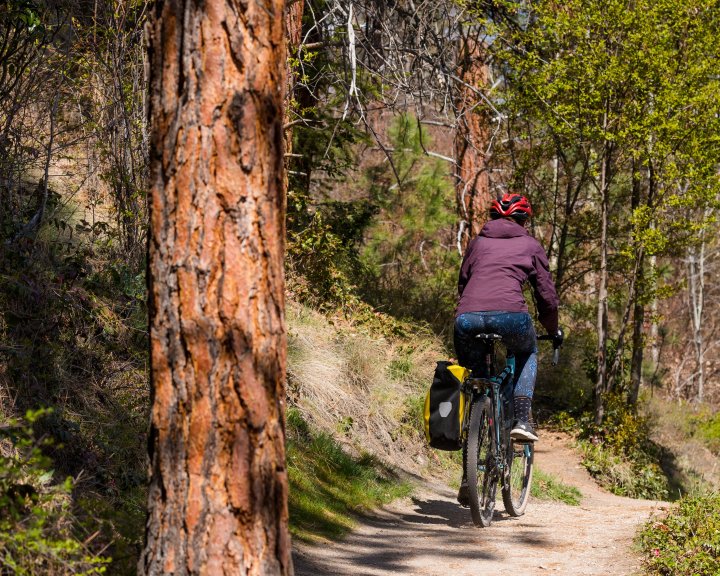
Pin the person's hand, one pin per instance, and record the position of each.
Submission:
(558, 338)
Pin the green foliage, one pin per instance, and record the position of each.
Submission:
(37, 535)
(567, 385)
(409, 249)
(623, 90)
(389, 244)
(707, 428)
(547, 487)
(412, 422)
(328, 487)
(635, 475)
(686, 542)
(324, 226)
(323, 266)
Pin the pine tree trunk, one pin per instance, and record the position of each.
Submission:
(293, 26)
(218, 489)
(471, 139)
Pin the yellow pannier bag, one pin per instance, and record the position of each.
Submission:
(445, 407)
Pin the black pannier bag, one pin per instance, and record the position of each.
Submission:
(445, 407)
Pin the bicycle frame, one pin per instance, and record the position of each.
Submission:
(491, 387)
(490, 455)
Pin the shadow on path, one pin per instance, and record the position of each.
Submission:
(382, 544)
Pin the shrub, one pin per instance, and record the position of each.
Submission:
(634, 475)
(707, 428)
(36, 533)
(687, 541)
(618, 453)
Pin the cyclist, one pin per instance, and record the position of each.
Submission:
(496, 265)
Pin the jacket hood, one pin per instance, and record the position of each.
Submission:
(503, 228)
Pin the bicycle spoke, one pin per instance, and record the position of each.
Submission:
(481, 471)
(518, 478)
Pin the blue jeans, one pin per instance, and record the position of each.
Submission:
(518, 335)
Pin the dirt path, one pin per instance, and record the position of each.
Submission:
(430, 535)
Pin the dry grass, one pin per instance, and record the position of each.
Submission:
(359, 387)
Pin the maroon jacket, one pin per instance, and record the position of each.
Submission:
(496, 265)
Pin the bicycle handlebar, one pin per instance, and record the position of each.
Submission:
(556, 349)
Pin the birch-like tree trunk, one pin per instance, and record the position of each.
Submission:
(602, 310)
(696, 301)
(654, 327)
(218, 488)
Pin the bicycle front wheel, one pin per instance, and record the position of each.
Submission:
(480, 468)
(517, 477)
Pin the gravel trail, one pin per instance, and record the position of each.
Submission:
(431, 535)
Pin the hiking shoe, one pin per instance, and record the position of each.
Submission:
(523, 432)
(462, 497)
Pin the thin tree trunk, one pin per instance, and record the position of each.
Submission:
(602, 312)
(616, 364)
(639, 308)
(572, 193)
(218, 489)
(654, 328)
(655, 343)
(637, 352)
(696, 276)
(293, 25)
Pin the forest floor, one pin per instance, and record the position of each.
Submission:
(429, 534)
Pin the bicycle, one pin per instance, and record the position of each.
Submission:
(489, 454)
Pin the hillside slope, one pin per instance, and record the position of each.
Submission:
(364, 388)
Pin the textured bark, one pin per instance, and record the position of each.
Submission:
(218, 489)
(293, 26)
(472, 186)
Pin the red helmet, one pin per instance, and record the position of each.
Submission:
(512, 205)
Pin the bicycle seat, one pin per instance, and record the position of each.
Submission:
(488, 336)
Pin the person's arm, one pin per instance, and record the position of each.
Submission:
(466, 268)
(545, 293)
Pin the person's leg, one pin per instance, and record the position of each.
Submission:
(471, 351)
(518, 334)
(526, 367)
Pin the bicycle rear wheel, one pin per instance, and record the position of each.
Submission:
(480, 463)
(517, 477)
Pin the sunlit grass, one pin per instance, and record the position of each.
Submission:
(328, 487)
(547, 487)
